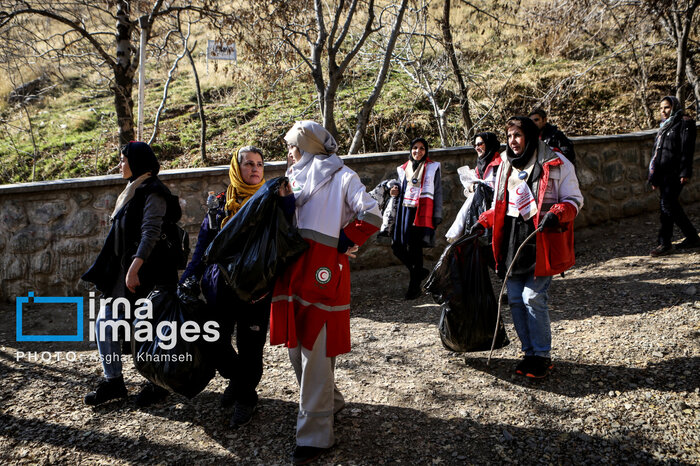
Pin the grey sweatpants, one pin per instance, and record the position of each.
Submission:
(319, 398)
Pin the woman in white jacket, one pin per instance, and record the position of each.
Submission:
(487, 148)
(311, 301)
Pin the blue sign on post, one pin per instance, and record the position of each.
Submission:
(78, 301)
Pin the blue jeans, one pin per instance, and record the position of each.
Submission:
(110, 348)
(527, 297)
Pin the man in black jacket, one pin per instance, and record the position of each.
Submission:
(670, 169)
(552, 136)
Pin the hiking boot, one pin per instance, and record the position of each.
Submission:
(414, 285)
(242, 414)
(539, 368)
(229, 396)
(524, 365)
(660, 250)
(689, 243)
(305, 455)
(150, 394)
(108, 389)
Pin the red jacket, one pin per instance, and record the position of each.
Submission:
(556, 191)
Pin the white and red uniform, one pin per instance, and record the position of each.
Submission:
(315, 290)
(557, 191)
(426, 204)
(310, 312)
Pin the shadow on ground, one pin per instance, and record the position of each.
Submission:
(402, 434)
(671, 375)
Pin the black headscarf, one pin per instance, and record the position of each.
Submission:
(676, 111)
(532, 138)
(141, 159)
(415, 162)
(491, 148)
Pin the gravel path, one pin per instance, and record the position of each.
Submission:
(625, 388)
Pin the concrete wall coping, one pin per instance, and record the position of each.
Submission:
(165, 175)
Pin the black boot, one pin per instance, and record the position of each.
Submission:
(414, 285)
(229, 395)
(108, 389)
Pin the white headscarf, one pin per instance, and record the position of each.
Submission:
(318, 160)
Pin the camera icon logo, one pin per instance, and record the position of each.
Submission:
(30, 298)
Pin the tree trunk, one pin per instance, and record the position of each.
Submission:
(200, 104)
(124, 75)
(329, 106)
(680, 70)
(685, 23)
(463, 89)
(363, 116)
(694, 80)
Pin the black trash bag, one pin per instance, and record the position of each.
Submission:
(185, 368)
(481, 202)
(256, 245)
(460, 283)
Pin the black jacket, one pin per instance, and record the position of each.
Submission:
(125, 240)
(554, 138)
(676, 148)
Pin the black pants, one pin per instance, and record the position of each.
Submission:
(672, 212)
(245, 367)
(411, 255)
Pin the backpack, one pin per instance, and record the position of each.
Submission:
(177, 242)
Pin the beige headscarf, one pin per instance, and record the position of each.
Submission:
(318, 160)
(238, 192)
(312, 138)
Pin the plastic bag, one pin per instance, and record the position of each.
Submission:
(481, 202)
(256, 245)
(388, 205)
(184, 368)
(460, 282)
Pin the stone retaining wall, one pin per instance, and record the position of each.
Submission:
(50, 232)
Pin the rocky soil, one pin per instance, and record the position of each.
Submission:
(625, 388)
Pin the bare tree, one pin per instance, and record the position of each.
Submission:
(448, 43)
(694, 81)
(676, 18)
(327, 33)
(368, 105)
(86, 35)
(625, 32)
(422, 60)
(326, 36)
(166, 86)
(200, 107)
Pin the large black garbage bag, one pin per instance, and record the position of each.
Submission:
(460, 283)
(182, 366)
(481, 202)
(256, 245)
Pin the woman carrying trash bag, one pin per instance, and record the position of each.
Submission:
(536, 191)
(134, 260)
(419, 212)
(243, 368)
(487, 149)
(311, 300)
